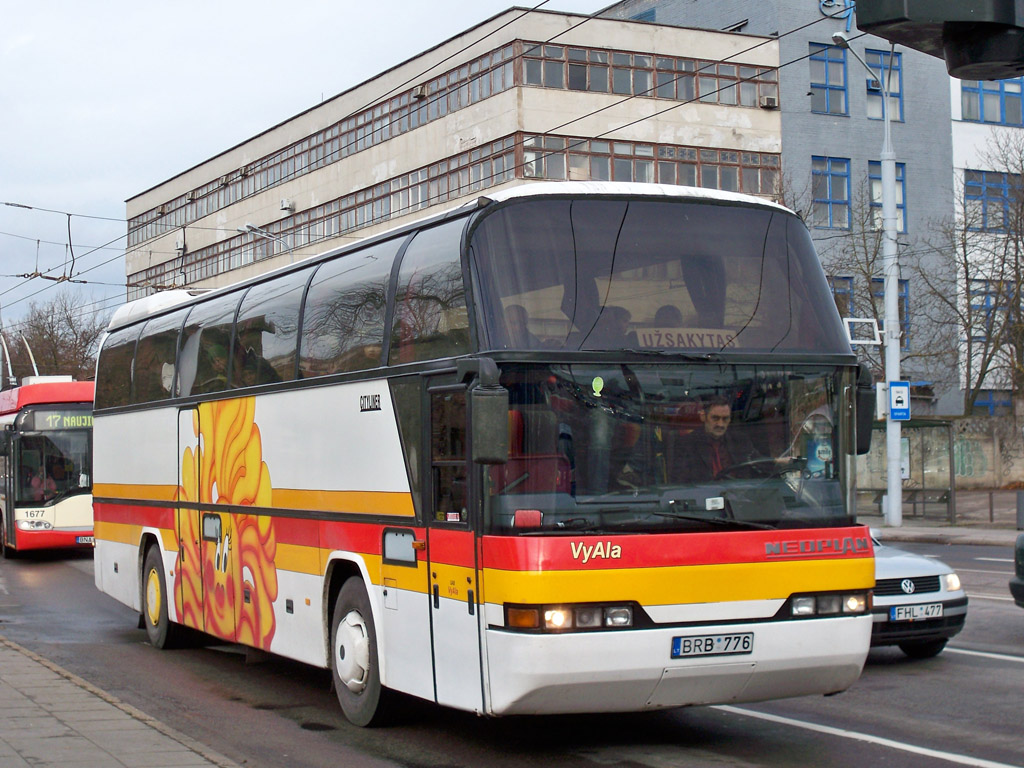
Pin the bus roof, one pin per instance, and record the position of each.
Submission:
(45, 392)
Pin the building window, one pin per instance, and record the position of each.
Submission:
(842, 292)
(992, 101)
(892, 67)
(650, 75)
(828, 79)
(830, 188)
(875, 181)
(987, 199)
(983, 303)
(993, 402)
(903, 300)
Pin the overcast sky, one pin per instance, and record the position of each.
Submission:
(100, 101)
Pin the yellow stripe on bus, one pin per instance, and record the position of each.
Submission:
(386, 503)
(130, 533)
(680, 584)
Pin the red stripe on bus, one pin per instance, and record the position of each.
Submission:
(134, 514)
(452, 547)
(27, 540)
(665, 550)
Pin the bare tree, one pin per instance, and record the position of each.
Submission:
(63, 335)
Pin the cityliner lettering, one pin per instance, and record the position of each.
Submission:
(817, 547)
(369, 403)
(603, 550)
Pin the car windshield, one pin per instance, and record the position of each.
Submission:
(615, 447)
(653, 275)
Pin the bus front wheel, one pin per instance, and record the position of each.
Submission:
(354, 656)
(161, 633)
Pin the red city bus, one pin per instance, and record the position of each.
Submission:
(46, 464)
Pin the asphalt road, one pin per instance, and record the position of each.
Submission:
(961, 708)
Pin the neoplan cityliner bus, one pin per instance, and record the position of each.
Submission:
(451, 460)
(46, 464)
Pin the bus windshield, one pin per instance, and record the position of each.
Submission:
(653, 275)
(617, 447)
(52, 462)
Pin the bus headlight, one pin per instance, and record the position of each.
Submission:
(34, 525)
(568, 618)
(830, 604)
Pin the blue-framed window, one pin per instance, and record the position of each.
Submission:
(830, 191)
(992, 101)
(828, 79)
(996, 402)
(987, 199)
(842, 292)
(892, 67)
(875, 182)
(983, 303)
(903, 298)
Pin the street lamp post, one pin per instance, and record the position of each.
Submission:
(252, 229)
(891, 267)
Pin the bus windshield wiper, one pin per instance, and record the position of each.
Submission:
(690, 357)
(716, 520)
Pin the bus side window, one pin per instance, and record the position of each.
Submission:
(430, 304)
(206, 341)
(266, 331)
(448, 455)
(155, 358)
(343, 319)
(114, 377)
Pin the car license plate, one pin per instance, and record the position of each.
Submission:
(713, 645)
(913, 612)
(85, 540)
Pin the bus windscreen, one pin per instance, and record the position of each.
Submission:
(670, 276)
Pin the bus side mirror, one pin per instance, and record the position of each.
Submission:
(489, 414)
(865, 408)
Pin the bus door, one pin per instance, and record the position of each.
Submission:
(8, 486)
(190, 571)
(452, 552)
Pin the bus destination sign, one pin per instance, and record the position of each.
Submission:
(51, 420)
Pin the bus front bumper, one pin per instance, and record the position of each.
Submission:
(54, 539)
(632, 670)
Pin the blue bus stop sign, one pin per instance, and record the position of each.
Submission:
(899, 400)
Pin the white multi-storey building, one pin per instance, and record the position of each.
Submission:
(521, 96)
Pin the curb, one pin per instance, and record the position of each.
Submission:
(191, 744)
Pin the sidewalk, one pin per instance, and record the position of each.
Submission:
(982, 517)
(50, 717)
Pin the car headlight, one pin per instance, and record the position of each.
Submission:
(952, 582)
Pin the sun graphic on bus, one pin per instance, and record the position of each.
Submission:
(235, 553)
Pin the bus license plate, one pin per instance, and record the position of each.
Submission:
(913, 612)
(713, 645)
(85, 540)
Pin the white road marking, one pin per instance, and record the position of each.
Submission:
(995, 559)
(975, 570)
(986, 655)
(975, 596)
(951, 757)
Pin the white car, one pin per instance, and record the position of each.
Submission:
(919, 603)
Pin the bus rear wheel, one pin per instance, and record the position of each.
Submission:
(161, 633)
(354, 657)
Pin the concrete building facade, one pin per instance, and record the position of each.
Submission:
(525, 95)
(832, 128)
